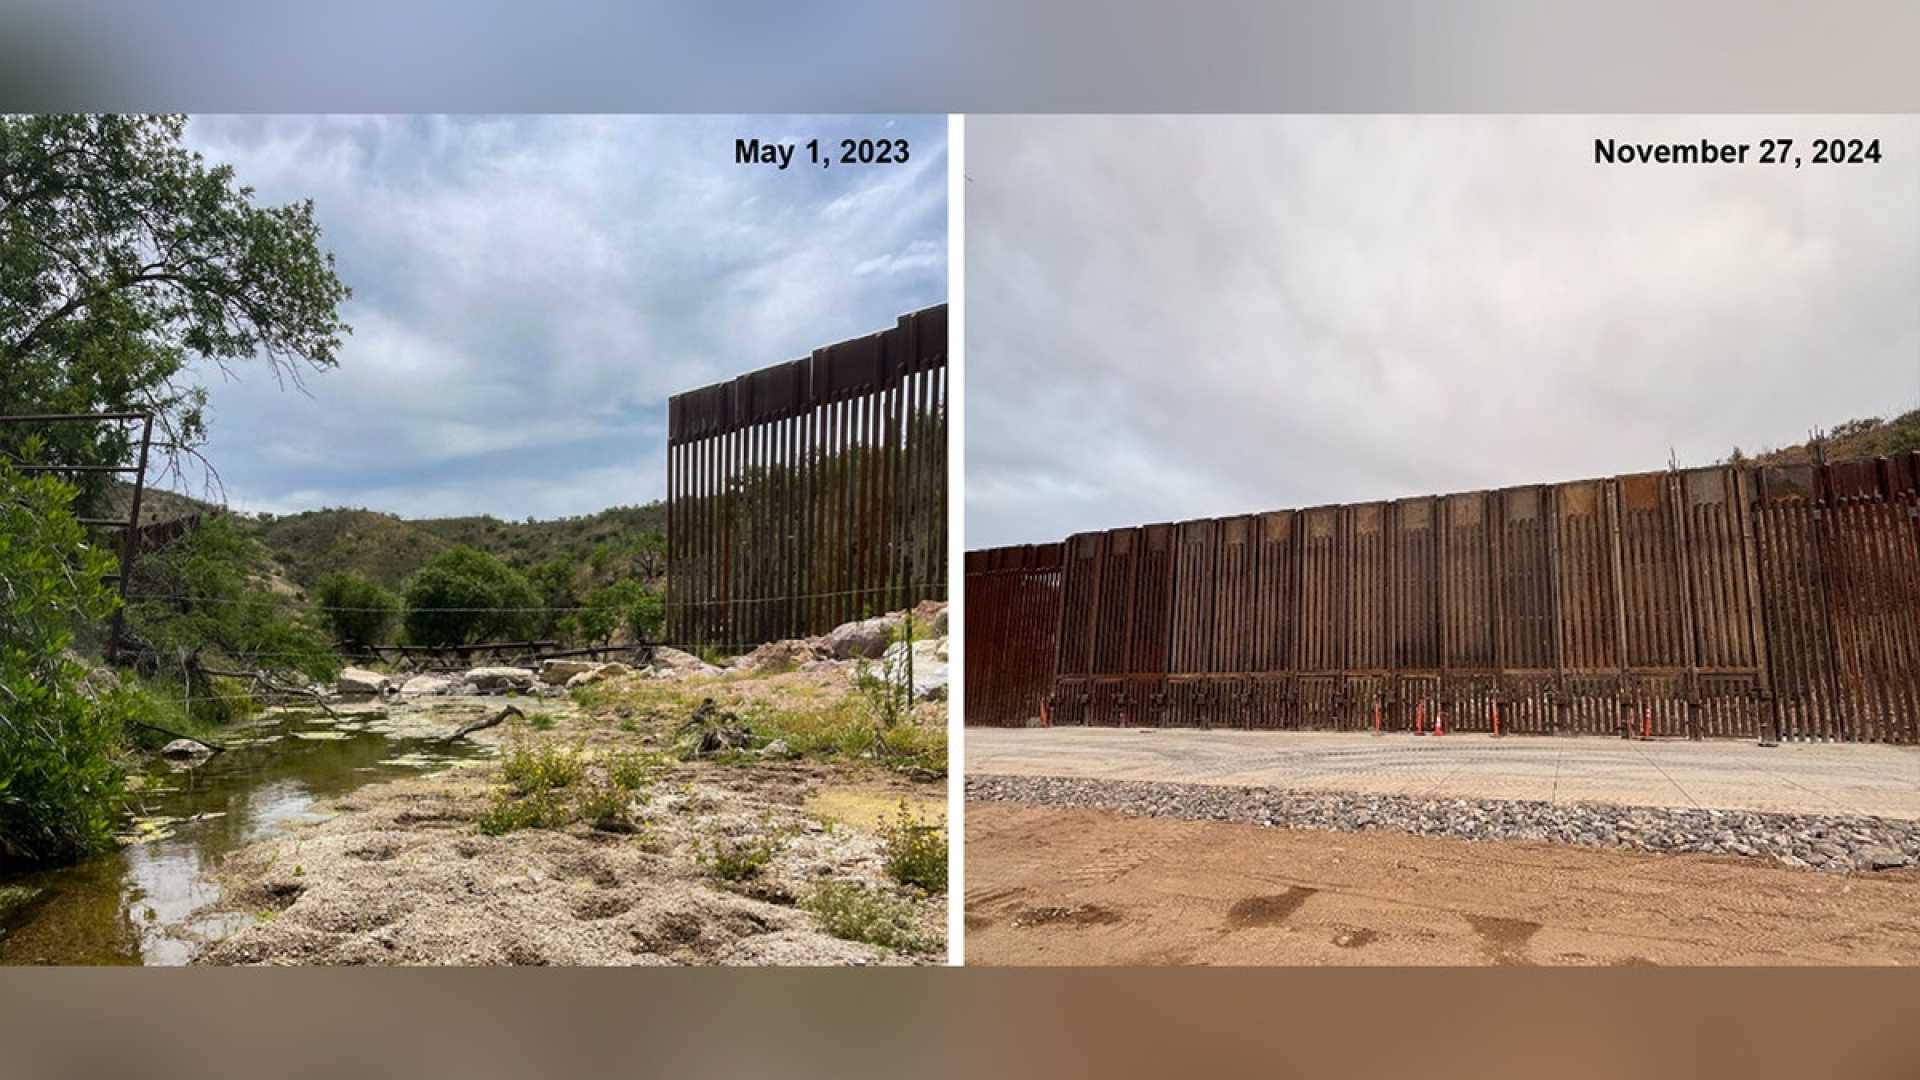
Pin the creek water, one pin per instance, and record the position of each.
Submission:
(150, 900)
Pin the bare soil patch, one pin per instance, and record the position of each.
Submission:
(1200, 892)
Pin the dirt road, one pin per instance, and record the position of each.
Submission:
(1051, 886)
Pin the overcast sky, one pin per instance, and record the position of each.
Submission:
(1184, 317)
(529, 290)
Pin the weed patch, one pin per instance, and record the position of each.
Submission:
(855, 912)
(545, 786)
(735, 860)
(916, 852)
(530, 769)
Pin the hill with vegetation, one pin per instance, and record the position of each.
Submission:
(1868, 437)
(603, 548)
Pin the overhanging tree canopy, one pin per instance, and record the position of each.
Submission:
(124, 257)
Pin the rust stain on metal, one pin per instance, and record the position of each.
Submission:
(811, 493)
(1747, 602)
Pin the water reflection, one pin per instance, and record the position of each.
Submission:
(147, 903)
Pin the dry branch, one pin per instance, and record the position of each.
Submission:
(482, 725)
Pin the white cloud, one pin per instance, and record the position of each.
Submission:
(1175, 317)
(528, 291)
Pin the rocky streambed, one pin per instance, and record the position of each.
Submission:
(1833, 843)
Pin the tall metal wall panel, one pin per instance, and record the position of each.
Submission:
(811, 493)
(1723, 601)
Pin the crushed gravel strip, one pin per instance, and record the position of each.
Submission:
(1818, 841)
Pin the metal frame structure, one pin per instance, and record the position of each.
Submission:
(807, 494)
(129, 528)
(1760, 602)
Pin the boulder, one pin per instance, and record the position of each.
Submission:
(426, 684)
(598, 673)
(496, 679)
(778, 656)
(557, 672)
(867, 638)
(930, 619)
(670, 663)
(359, 682)
(929, 662)
(184, 749)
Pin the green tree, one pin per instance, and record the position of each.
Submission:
(359, 611)
(596, 622)
(124, 256)
(646, 613)
(465, 595)
(197, 604)
(650, 554)
(59, 783)
(625, 605)
(553, 582)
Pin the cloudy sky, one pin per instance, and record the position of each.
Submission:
(529, 290)
(1184, 317)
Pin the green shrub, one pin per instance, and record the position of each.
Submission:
(605, 806)
(545, 786)
(358, 611)
(916, 852)
(546, 809)
(886, 688)
(855, 912)
(631, 770)
(60, 785)
(464, 594)
(742, 858)
(530, 769)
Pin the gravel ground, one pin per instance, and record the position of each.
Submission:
(1823, 842)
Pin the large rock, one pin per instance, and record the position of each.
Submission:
(670, 663)
(557, 672)
(929, 666)
(184, 749)
(930, 619)
(359, 682)
(777, 656)
(421, 685)
(867, 638)
(496, 679)
(598, 673)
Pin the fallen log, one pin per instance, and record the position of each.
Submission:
(482, 725)
(264, 681)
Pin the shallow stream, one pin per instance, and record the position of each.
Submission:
(149, 900)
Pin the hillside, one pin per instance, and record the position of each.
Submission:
(614, 543)
(621, 541)
(1866, 438)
